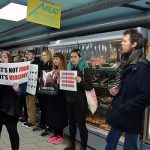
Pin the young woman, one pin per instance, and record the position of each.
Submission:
(43, 96)
(9, 107)
(76, 101)
(56, 116)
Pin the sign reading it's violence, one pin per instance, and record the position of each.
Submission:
(67, 80)
(14, 72)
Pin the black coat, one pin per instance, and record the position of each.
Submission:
(44, 66)
(127, 110)
(9, 104)
(85, 84)
(56, 113)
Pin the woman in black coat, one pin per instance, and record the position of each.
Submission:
(45, 66)
(9, 107)
(76, 100)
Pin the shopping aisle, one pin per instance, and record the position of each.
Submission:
(30, 140)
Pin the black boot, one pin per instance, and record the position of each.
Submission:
(71, 146)
(47, 131)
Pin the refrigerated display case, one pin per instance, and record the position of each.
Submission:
(102, 53)
(146, 137)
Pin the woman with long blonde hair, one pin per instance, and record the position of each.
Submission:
(43, 96)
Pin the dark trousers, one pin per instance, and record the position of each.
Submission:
(13, 135)
(43, 99)
(23, 106)
(77, 117)
(58, 132)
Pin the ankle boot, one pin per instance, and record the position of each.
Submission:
(71, 146)
(83, 148)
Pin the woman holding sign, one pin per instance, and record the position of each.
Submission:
(45, 67)
(56, 114)
(76, 100)
(9, 107)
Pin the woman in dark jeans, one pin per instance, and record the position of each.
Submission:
(9, 107)
(76, 101)
(43, 96)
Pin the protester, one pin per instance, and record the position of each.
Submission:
(31, 99)
(23, 117)
(9, 107)
(56, 115)
(76, 100)
(43, 97)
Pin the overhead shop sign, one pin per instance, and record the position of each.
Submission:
(44, 13)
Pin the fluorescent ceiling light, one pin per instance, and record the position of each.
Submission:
(13, 12)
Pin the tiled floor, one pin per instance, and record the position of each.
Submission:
(30, 140)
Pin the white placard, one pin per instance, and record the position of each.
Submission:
(67, 80)
(32, 79)
(14, 72)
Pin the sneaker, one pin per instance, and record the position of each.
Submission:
(29, 125)
(58, 140)
(24, 124)
(51, 139)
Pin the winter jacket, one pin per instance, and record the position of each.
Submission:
(46, 67)
(9, 100)
(127, 110)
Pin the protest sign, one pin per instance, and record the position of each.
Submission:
(48, 82)
(67, 80)
(14, 73)
(32, 79)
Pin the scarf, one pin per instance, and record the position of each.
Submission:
(135, 56)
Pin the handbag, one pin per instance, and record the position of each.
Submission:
(91, 99)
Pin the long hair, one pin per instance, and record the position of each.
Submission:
(49, 54)
(63, 63)
(10, 58)
(82, 63)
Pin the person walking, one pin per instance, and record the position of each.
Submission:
(9, 107)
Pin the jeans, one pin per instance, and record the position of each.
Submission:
(113, 137)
